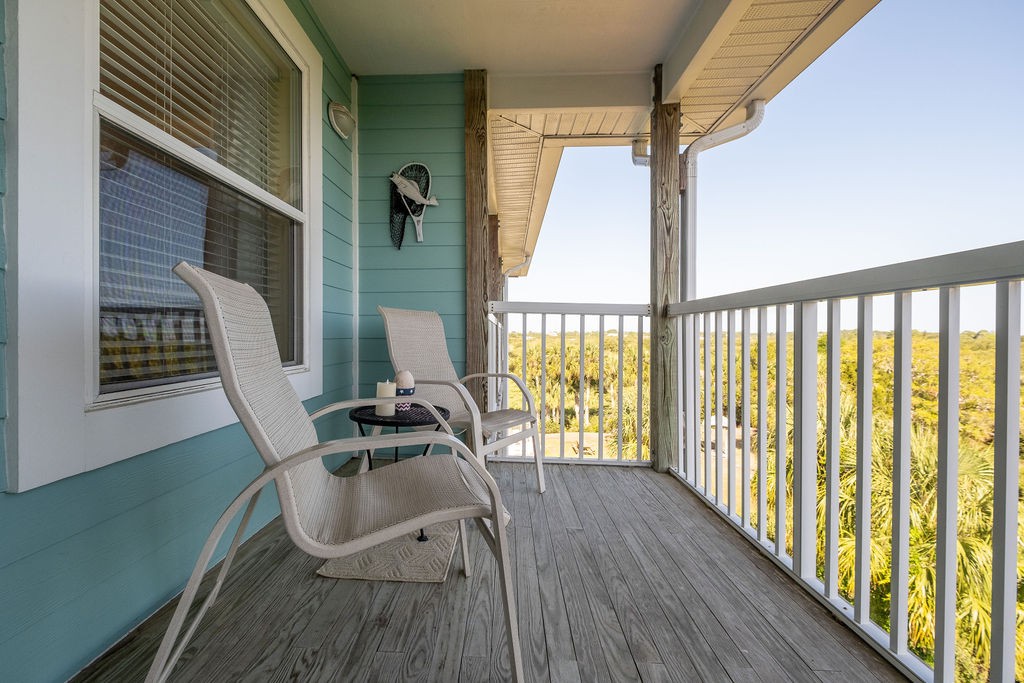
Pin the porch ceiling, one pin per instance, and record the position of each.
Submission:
(577, 72)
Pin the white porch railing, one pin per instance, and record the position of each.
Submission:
(784, 487)
(591, 412)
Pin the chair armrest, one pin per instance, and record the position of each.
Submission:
(515, 378)
(467, 400)
(459, 449)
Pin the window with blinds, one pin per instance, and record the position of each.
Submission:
(208, 73)
(154, 212)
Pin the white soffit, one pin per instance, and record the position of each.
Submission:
(754, 51)
(526, 149)
(510, 36)
(731, 52)
(578, 72)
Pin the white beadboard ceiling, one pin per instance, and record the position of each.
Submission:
(503, 36)
(577, 72)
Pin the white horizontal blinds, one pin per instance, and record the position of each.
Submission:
(208, 73)
(154, 212)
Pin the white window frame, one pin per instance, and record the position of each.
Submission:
(59, 425)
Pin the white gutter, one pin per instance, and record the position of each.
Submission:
(514, 271)
(641, 157)
(688, 188)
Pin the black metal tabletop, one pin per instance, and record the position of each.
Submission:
(415, 416)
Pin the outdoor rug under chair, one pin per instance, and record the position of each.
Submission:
(401, 559)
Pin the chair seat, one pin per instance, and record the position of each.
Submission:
(494, 421)
(410, 493)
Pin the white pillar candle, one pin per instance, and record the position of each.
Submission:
(386, 389)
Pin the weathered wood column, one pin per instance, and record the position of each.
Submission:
(665, 248)
(475, 90)
(493, 260)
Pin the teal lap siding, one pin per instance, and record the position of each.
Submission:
(84, 560)
(404, 119)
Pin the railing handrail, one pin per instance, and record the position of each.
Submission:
(986, 264)
(539, 307)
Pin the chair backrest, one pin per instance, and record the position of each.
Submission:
(417, 343)
(245, 347)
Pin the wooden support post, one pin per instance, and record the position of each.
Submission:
(494, 293)
(475, 89)
(665, 248)
(493, 258)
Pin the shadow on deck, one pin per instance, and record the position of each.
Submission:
(621, 573)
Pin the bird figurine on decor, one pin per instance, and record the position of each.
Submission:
(410, 190)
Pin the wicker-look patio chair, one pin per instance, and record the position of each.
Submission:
(325, 515)
(416, 342)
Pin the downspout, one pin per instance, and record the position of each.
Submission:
(688, 189)
(688, 263)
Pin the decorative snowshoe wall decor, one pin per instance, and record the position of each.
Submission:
(410, 196)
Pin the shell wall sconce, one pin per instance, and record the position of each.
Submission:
(341, 119)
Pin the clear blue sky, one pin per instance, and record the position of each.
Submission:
(902, 141)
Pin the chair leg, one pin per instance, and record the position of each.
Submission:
(538, 458)
(508, 598)
(478, 447)
(170, 649)
(466, 569)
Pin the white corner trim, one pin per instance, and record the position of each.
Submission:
(355, 244)
(54, 430)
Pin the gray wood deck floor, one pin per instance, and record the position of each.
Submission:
(621, 575)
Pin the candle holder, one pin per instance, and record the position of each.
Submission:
(405, 386)
(385, 389)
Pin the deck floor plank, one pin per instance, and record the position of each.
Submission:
(754, 652)
(352, 610)
(528, 598)
(822, 642)
(606, 570)
(500, 668)
(621, 574)
(783, 605)
(589, 657)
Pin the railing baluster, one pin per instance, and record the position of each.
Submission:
(805, 438)
(639, 387)
(622, 340)
(862, 526)
(902, 325)
(719, 450)
(543, 382)
(745, 432)
(949, 465)
(695, 399)
(762, 424)
(1007, 471)
(503, 357)
(581, 401)
(684, 390)
(832, 452)
(730, 447)
(561, 392)
(600, 388)
(523, 396)
(708, 453)
(780, 429)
